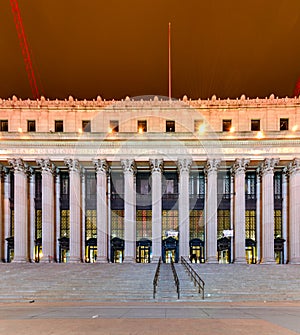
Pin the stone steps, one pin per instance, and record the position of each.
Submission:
(133, 282)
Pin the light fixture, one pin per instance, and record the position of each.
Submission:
(232, 130)
(260, 135)
(295, 128)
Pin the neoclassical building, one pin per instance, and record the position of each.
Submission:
(214, 180)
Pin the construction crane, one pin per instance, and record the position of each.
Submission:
(25, 48)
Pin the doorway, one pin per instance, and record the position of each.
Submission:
(224, 250)
(197, 251)
(143, 251)
(91, 250)
(170, 250)
(117, 250)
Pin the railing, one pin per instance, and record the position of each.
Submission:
(155, 280)
(194, 276)
(175, 279)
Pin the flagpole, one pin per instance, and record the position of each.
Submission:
(169, 40)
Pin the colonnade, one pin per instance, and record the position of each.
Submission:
(24, 213)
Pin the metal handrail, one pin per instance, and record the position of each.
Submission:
(175, 278)
(155, 279)
(194, 276)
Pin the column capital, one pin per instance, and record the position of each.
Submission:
(212, 165)
(156, 165)
(128, 166)
(46, 165)
(293, 167)
(72, 164)
(240, 166)
(184, 165)
(268, 165)
(18, 165)
(101, 165)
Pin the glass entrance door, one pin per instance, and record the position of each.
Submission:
(143, 254)
(170, 250)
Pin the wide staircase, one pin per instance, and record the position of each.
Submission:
(134, 282)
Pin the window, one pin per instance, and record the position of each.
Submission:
(86, 126)
(226, 125)
(250, 186)
(3, 125)
(198, 125)
(170, 126)
(255, 125)
(31, 125)
(284, 124)
(142, 126)
(113, 126)
(277, 185)
(59, 126)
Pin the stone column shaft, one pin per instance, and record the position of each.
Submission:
(211, 211)
(102, 212)
(48, 208)
(20, 211)
(6, 209)
(294, 231)
(156, 187)
(75, 217)
(285, 212)
(268, 210)
(239, 210)
(57, 211)
(32, 215)
(184, 166)
(129, 210)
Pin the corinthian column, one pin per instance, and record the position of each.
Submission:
(75, 218)
(156, 187)
(211, 171)
(20, 211)
(268, 210)
(129, 170)
(239, 169)
(48, 223)
(294, 231)
(102, 212)
(184, 166)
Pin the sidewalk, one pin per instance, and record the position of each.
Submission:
(276, 318)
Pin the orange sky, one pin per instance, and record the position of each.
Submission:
(119, 48)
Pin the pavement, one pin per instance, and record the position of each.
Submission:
(34, 318)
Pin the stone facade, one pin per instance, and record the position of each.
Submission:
(79, 177)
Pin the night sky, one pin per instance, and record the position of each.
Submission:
(120, 48)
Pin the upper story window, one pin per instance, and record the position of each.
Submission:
(198, 125)
(224, 185)
(91, 186)
(227, 125)
(284, 124)
(59, 126)
(86, 126)
(277, 185)
(142, 126)
(170, 126)
(113, 126)
(250, 185)
(197, 185)
(3, 125)
(31, 126)
(255, 125)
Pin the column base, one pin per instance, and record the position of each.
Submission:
(212, 260)
(129, 260)
(295, 260)
(267, 261)
(240, 260)
(74, 260)
(49, 259)
(155, 259)
(102, 260)
(20, 259)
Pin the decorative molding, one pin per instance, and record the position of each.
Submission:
(212, 166)
(101, 165)
(268, 165)
(128, 166)
(73, 165)
(18, 165)
(240, 166)
(184, 165)
(156, 165)
(294, 166)
(46, 165)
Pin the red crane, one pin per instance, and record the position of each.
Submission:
(25, 48)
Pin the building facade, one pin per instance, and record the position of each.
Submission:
(214, 180)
